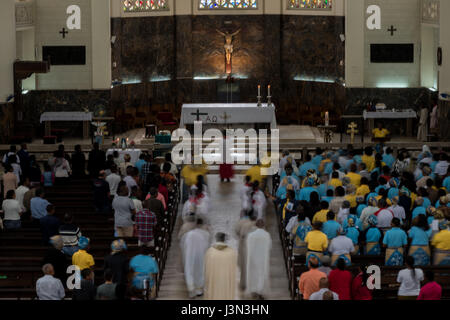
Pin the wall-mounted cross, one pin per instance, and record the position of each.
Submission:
(64, 32)
(198, 114)
(392, 30)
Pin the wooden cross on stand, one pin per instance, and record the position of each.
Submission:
(64, 32)
(352, 130)
(198, 114)
(225, 117)
(392, 30)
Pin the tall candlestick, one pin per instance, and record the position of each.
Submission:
(327, 119)
(268, 90)
(259, 90)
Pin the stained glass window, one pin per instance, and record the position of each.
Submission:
(228, 4)
(310, 4)
(145, 5)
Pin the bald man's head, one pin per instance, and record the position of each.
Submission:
(323, 283)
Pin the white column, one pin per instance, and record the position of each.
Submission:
(354, 43)
(182, 7)
(7, 48)
(101, 44)
(444, 43)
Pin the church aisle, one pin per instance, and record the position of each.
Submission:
(225, 211)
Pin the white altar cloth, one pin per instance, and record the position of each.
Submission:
(389, 114)
(66, 116)
(228, 113)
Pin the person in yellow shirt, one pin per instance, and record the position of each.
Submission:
(82, 259)
(441, 244)
(190, 173)
(380, 134)
(316, 241)
(368, 159)
(321, 216)
(363, 189)
(254, 173)
(355, 178)
(335, 182)
(351, 196)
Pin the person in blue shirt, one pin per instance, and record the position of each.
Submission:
(373, 237)
(287, 180)
(140, 163)
(352, 231)
(420, 234)
(419, 209)
(49, 225)
(305, 167)
(318, 157)
(38, 205)
(393, 190)
(395, 240)
(388, 158)
(145, 271)
(329, 196)
(360, 205)
(331, 227)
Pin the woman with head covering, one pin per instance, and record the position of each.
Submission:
(419, 235)
(373, 237)
(367, 212)
(441, 245)
(398, 211)
(352, 231)
(308, 186)
(299, 232)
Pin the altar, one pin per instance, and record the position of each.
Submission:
(234, 115)
(408, 114)
(49, 117)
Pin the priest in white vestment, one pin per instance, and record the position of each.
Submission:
(220, 271)
(194, 245)
(259, 245)
(242, 229)
(422, 133)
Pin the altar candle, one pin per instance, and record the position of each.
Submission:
(327, 119)
(268, 90)
(259, 90)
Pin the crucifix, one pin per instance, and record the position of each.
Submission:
(392, 30)
(198, 114)
(225, 117)
(228, 48)
(352, 130)
(64, 32)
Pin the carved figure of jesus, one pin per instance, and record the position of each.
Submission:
(228, 44)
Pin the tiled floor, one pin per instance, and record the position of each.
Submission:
(225, 212)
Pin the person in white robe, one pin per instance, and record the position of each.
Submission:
(220, 271)
(259, 245)
(434, 119)
(423, 125)
(245, 195)
(242, 229)
(194, 245)
(198, 203)
(259, 202)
